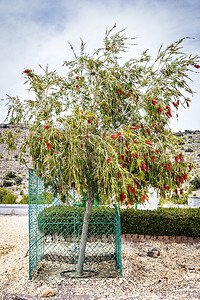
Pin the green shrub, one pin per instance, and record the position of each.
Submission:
(164, 221)
(18, 180)
(6, 197)
(195, 183)
(7, 183)
(10, 174)
(24, 200)
(60, 220)
(189, 150)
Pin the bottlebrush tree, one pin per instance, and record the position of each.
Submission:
(105, 125)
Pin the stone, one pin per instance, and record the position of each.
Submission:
(150, 253)
(153, 253)
(48, 293)
(156, 250)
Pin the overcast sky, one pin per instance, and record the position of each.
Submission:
(34, 32)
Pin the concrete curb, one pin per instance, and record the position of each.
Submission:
(14, 209)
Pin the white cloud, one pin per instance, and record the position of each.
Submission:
(36, 32)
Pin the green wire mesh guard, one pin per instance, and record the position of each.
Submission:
(55, 230)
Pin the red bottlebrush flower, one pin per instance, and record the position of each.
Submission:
(122, 157)
(157, 151)
(77, 86)
(114, 136)
(104, 135)
(133, 154)
(180, 178)
(81, 145)
(167, 187)
(185, 176)
(40, 139)
(148, 142)
(135, 184)
(133, 190)
(134, 141)
(61, 89)
(131, 202)
(90, 122)
(46, 127)
(148, 131)
(160, 109)
(118, 92)
(169, 115)
(142, 126)
(108, 160)
(168, 107)
(143, 197)
(190, 167)
(119, 134)
(176, 159)
(154, 101)
(59, 79)
(181, 192)
(129, 94)
(197, 66)
(48, 145)
(153, 158)
(122, 197)
(181, 156)
(26, 71)
(162, 165)
(118, 175)
(134, 127)
(129, 188)
(188, 105)
(176, 191)
(175, 105)
(145, 156)
(95, 160)
(168, 167)
(40, 175)
(114, 26)
(77, 77)
(59, 189)
(127, 144)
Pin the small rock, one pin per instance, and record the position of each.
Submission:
(156, 250)
(191, 268)
(150, 253)
(166, 248)
(141, 254)
(181, 265)
(48, 293)
(153, 253)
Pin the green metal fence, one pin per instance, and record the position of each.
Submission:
(55, 229)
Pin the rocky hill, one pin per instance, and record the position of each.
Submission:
(9, 162)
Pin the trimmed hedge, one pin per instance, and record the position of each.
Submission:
(60, 220)
(164, 221)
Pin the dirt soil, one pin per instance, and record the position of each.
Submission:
(172, 273)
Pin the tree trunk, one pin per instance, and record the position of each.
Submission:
(81, 257)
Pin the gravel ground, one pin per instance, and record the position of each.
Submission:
(174, 274)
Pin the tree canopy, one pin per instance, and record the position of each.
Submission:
(105, 124)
